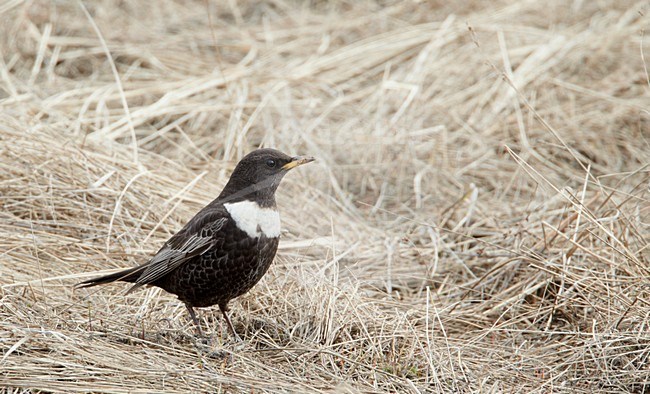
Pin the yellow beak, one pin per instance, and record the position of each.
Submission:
(297, 161)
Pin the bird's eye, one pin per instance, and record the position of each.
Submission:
(270, 163)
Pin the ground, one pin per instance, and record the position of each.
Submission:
(477, 219)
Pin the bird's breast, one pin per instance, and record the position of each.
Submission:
(255, 220)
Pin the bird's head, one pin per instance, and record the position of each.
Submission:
(259, 173)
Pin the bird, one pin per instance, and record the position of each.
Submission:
(227, 247)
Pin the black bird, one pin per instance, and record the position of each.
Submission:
(225, 249)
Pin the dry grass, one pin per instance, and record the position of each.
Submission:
(478, 219)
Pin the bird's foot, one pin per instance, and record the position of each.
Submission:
(208, 347)
(237, 338)
(238, 346)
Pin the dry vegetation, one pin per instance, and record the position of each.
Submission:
(477, 221)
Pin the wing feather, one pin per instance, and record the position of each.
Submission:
(193, 240)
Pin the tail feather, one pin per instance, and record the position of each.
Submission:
(127, 275)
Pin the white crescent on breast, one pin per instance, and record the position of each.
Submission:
(255, 220)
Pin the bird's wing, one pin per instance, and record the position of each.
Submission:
(196, 238)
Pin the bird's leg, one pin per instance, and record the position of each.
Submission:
(194, 319)
(224, 310)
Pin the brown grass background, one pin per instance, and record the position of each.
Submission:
(477, 220)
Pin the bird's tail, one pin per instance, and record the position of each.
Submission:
(127, 275)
